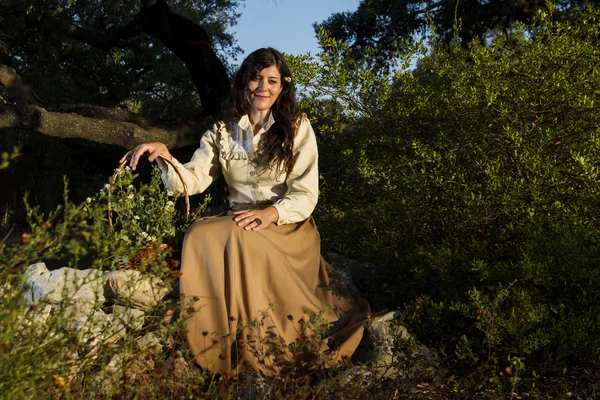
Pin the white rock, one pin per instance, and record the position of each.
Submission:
(41, 316)
(35, 316)
(64, 284)
(359, 372)
(130, 317)
(384, 333)
(93, 327)
(390, 316)
(134, 289)
(35, 270)
(150, 343)
(74, 311)
(36, 274)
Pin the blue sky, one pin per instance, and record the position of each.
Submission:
(284, 24)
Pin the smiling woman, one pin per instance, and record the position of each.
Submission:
(253, 280)
(264, 90)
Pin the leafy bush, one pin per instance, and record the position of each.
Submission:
(42, 354)
(473, 180)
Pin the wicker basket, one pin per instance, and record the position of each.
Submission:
(149, 252)
(143, 256)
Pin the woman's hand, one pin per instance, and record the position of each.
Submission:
(256, 220)
(154, 150)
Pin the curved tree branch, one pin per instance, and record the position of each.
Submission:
(124, 134)
(98, 112)
(192, 45)
(98, 124)
(104, 125)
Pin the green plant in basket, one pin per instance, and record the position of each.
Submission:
(145, 214)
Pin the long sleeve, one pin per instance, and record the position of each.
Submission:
(202, 169)
(302, 182)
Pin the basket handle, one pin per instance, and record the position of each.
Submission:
(171, 163)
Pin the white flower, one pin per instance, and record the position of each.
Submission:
(127, 168)
(129, 187)
(152, 238)
(136, 217)
(89, 199)
(107, 186)
(142, 198)
(169, 205)
(131, 196)
(144, 234)
(170, 192)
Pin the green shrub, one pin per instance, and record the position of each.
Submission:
(472, 180)
(40, 357)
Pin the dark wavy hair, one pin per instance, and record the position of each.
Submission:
(276, 147)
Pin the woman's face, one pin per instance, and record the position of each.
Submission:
(264, 89)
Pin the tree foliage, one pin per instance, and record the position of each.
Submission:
(74, 52)
(112, 72)
(474, 180)
(384, 25)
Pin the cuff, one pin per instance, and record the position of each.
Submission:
(281, 210)
(170, 178)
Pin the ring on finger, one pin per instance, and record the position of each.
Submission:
(258, 221)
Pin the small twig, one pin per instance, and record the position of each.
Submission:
(7, 235)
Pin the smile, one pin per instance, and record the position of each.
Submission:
(261, 97)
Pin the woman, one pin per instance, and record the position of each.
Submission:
(255, 278)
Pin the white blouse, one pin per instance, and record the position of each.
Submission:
(229, 149)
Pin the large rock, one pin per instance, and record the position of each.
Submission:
(130, 317)
(345, 271)
(35, 315)
(386, 335)
(93, 326)
(385, 349)
(134, 289)
(150, 344)
(63, 285)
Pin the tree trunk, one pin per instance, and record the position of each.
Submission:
(191, 44)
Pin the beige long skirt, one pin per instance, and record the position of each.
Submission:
(263, 299)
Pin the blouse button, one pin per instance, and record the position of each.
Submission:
(251, 173)
(255, 186)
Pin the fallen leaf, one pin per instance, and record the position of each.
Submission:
(26, 238)
(59, 380)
